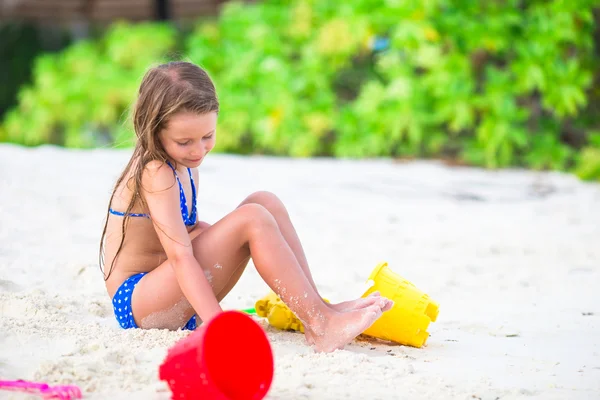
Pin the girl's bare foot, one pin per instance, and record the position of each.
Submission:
(356, 304)
(374, 299)
(309, 335)
(341, 328)
(388, 304)
(363, 302)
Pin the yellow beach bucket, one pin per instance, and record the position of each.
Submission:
(407, 322)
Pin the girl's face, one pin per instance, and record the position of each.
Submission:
(189, 137)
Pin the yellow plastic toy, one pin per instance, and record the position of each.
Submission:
(407, 322)
(278, 313)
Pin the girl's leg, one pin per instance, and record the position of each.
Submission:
(221, 250)
(276, 207)
(272, 203)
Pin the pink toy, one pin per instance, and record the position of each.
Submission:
(60, 392)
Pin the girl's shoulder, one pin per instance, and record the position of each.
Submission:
(157, 175)
(154, 166)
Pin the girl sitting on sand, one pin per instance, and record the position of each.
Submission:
(166, 267)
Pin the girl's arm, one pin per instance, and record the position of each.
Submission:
(161, 192)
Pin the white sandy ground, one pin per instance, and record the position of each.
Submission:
(513, 258)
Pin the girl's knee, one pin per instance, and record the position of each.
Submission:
(256, 216)
(266, 199)
(255, 212)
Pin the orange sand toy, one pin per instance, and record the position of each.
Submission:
(406, 323)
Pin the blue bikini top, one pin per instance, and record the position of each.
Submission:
(189, 220)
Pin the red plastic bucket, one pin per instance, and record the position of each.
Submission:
(229, 358)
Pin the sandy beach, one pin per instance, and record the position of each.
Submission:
(512, 256)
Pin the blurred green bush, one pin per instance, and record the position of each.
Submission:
(20, 44)
(493, 84)
(80, 97)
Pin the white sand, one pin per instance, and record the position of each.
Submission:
(513, 258)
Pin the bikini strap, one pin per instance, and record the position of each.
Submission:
(188, 218)
(192, 217)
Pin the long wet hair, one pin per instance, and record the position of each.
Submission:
(166, 90)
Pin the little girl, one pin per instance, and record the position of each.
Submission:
(166, 268)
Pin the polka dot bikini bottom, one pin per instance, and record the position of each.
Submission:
(122, 304)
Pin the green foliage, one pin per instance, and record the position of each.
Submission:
(78, 97)
(494, 84)
(588, 166)
(21, 43)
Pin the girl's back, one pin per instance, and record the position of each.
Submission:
(141, 250)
